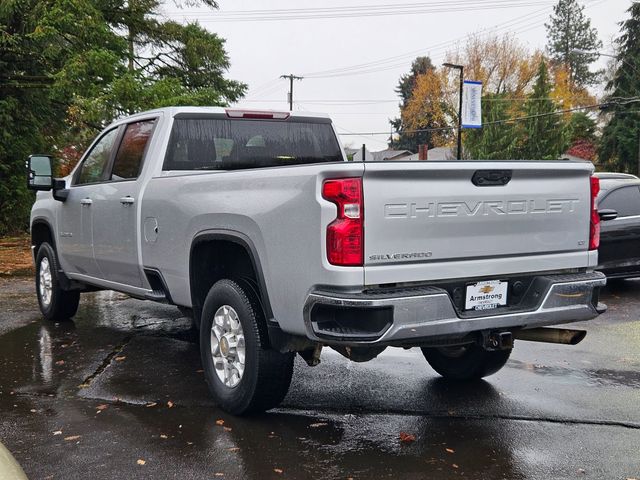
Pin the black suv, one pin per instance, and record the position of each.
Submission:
(619, 208)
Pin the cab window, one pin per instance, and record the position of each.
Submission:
(95, 163)
(128, 162)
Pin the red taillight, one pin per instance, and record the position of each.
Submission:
(594, 229)
(345, 235)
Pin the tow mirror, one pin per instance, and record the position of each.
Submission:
(39, 172)
(607, 214)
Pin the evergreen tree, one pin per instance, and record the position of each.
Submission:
(568, 29)
(68, 67)
(542, 132)
(580, 127)
(619, 145)
(496, 140)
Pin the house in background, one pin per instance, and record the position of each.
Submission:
(438, 153)
(390, 154)
(355, 154)
(441, 153)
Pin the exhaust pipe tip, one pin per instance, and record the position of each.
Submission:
(551, 335)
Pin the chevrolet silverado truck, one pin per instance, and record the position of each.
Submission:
(256, 225)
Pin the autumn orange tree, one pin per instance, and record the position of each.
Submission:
(507, 70)
(426, 116)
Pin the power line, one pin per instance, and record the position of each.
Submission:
(391, 63)
(507, 120)
(362, 10)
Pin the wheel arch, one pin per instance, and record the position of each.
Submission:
(42, 231)
(243, 254)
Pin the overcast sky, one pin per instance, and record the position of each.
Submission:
(353, 57)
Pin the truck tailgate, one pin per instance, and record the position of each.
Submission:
(421, 217)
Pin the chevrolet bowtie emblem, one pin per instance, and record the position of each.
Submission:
(487, 289)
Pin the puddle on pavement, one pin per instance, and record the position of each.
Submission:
(590, 377)
(44, 358)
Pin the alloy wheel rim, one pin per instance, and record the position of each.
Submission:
(227, 346)
(46, 282)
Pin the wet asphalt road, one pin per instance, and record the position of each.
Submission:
(121, 386)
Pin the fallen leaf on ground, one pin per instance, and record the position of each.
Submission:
(104, 406)
(278, 470)
(119, 359)
(58, 432)
(450, 450)
(60, 362)
(170, 404)
(152, 404)
(407, 437)
(72, 438)
(141, 461)
(220, 422)
(319, 424)
(233, 449)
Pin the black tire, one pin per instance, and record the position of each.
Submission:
(63, 304)
(467, 362)
(267, 373)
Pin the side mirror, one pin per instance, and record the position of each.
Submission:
(39, 172)
(607, 214)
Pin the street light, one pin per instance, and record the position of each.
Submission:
(579, 51)
(461, 68)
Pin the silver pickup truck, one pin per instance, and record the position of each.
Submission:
(254, 223)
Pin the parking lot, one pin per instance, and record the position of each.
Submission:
(118, 393)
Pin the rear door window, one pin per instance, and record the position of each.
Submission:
(625, 201)
(223, 144)
(128, 162)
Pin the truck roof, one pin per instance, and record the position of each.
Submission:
(173, 111)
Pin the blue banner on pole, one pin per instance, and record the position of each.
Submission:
(472, 104)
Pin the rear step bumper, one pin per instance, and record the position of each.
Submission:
(414, 315)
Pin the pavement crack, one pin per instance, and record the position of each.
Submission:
(437, 415)
(106, 362)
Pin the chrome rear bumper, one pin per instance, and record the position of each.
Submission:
(415, 315)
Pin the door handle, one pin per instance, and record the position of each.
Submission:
(86, 201)
(127, 200)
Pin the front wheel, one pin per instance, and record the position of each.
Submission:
(244, 375)
(55, 303)
(465, 362)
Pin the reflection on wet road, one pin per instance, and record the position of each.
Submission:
(119, 392)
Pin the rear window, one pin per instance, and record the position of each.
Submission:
(222, 144)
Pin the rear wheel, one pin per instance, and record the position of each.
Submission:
(55, 303)
(465, 362)
(244, 375)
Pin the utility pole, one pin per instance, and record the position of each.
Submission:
(291, 78)
(461, 68)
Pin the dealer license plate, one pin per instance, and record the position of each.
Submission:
(486, 295)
